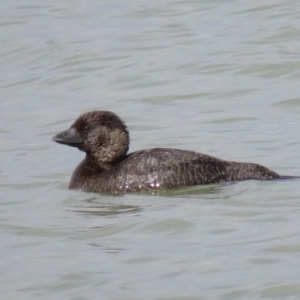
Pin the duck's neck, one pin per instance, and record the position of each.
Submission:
(83, 171)
(87, 169)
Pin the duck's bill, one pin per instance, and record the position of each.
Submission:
(69, 137)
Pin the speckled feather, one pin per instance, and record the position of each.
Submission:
(157, 169)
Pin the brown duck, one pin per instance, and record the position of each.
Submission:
(107, 168)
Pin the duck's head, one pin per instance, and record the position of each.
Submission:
(102, 135)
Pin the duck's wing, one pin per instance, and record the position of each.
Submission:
(169, 168)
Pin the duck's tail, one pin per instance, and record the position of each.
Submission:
(237, 171)
(288, 177)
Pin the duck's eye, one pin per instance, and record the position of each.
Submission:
(86, 128)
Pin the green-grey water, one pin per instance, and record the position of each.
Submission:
(217, 77)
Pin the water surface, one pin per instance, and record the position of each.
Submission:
(218, 77)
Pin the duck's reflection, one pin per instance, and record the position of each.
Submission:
(92, 206)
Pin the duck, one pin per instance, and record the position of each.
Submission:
(108, 168)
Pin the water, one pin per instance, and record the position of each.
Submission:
(218, 77)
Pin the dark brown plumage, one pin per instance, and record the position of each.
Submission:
(107, 168)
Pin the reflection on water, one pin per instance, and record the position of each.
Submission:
(92, 205)
(106, 210)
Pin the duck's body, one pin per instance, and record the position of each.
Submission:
(161, 168)
(108, 169)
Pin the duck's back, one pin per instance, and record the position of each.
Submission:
(159, 168)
